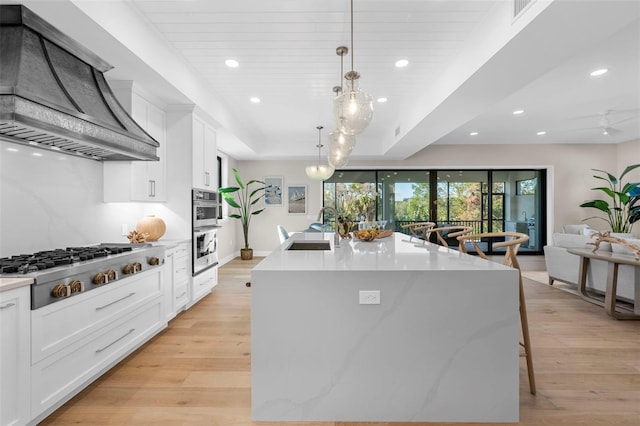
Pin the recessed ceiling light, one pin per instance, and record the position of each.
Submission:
(518, 112)
(12, 150)
(255, 100)
(382, 100)
(473, 134)
(232, 63)
(402, 63)
(541, 133)
(36, 154)
(596, 73)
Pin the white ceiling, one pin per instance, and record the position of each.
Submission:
(470, 65)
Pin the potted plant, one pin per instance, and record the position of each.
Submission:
(624, 209)
(244, 197)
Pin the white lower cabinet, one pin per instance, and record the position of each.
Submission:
(74, 341)
(14, 356)
(178, 278)
(202, 284)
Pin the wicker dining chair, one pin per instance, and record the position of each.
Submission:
(512, 242)
(414, 228)
(446, 232)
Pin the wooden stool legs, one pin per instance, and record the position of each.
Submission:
(524, 322)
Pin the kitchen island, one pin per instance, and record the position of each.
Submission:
(387, 330)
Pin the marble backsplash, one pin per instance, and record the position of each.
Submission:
(49, 200)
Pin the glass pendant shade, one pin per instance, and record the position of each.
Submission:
(338, 140)
(337, 158)
(319, 171)
(353, 110)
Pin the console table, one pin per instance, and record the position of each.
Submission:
(614, 260)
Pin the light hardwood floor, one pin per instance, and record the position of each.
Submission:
(198, 371)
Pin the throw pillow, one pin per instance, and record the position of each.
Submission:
(573, 229)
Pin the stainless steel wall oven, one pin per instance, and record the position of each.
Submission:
(206, 210)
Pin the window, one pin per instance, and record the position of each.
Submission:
(486, 200)
(526, 187)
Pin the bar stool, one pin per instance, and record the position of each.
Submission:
(418, 226)
(512, 242)
(452, 231)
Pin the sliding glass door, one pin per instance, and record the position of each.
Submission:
(486, 200)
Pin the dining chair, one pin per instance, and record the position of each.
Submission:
(512, 242)
(446, 232)
(414, 228)
(282, 234)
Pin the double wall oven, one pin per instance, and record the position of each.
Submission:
(207, 208)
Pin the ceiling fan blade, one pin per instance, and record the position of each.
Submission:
(610, 131)
(610, 114)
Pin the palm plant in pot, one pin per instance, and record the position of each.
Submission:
(623, 205)
(244, 197)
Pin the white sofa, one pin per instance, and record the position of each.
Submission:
(564, 266)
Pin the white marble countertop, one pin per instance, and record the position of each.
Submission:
(170, 243)
(11, 283)
(394, 253)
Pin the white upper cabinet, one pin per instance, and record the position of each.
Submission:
(138, 180)
(204, 155)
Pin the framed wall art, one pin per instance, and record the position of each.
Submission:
(273, 192)
(297, 199)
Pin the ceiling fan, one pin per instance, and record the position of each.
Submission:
(607, 124)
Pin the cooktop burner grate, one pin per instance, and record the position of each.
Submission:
(27, 263)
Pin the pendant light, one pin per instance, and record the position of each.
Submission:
(340, 144)
(353, 108)
(319, 171)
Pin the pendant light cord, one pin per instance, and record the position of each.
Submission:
(319, 144)
(352, 35)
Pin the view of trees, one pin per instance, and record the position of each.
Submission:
(416, 208)
(455, 202)
(356, 201)
(486, 200)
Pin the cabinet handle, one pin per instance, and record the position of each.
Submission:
(183, 293)
(115, 301)
(8, 305)
(152, 188)
(115, 341)
(206, 178)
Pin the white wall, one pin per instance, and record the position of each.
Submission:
(569, 179)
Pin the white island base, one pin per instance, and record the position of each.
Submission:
(442, 345)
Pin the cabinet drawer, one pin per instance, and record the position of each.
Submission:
(181, 295)
(65, 373)
(182, 250)
(181, 268)
(203, 283)
(60, 324)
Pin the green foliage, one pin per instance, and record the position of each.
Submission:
(356, 200)
(243, 197)
(415, 208)
(622, 207)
